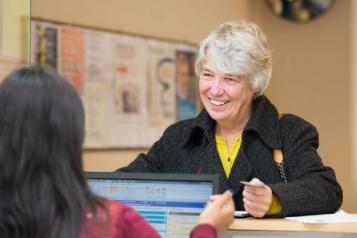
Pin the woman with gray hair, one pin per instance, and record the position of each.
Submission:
(240, 135)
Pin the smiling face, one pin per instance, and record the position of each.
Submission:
(226, 97)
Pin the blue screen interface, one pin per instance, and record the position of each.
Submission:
(171, 207)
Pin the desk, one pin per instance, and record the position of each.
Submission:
(269, 228)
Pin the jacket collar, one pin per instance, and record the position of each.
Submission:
(264, 121)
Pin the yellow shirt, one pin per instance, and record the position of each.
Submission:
(228, 158)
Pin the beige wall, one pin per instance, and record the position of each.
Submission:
(183, 20)
(353, 92)
(313, 73)
(313, 77)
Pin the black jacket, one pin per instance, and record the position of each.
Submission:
(189, 147)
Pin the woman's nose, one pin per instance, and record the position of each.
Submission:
(216, 87)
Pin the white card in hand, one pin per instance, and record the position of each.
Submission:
(252, 184)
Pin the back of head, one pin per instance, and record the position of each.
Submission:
(238, 48)
(43, 189)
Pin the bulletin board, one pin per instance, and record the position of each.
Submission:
(132, 87)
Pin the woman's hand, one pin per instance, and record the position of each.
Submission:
(219, 212)
(257, 199)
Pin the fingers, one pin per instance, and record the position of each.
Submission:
(219, 212)
(226, 196)
(257, 200)
(224, 205)
(258, 197)
(214, 197)
(254, 212)
(255, 209)
(222, 200)
(228, 205)
(229, 199)
(258, 191)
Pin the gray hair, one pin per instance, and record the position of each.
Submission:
(238, 48)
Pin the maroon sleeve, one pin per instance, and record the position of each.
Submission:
(131, 224)
(203, 231)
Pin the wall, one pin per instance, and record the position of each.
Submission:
(183, 20)
(353, 90)
(14, 35)
(312, 74)
(313, 77)
(14, 24)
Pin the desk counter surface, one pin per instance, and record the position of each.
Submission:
(270, 224)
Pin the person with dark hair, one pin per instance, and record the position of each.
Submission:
(44, 192)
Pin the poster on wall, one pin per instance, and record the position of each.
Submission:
(132, 87)
(186, 85)
(129, 116)
(97, 93)
(161, 87)
(45, 44)
(72, 56)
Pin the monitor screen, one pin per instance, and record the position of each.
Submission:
(171, 203)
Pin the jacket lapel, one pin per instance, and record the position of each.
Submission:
(242, 165)
(264, 122)
(210, 161)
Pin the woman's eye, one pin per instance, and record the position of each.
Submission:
(231, 80)
(207, 75)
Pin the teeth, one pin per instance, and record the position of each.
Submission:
(218, 102)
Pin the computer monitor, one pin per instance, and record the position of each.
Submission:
(171, 203)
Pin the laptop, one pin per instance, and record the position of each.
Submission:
(171, 203)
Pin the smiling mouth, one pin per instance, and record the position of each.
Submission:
(218, 102)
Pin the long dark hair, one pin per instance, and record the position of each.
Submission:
(43, 191)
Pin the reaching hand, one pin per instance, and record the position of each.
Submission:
(219, 212)
(257, 199)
